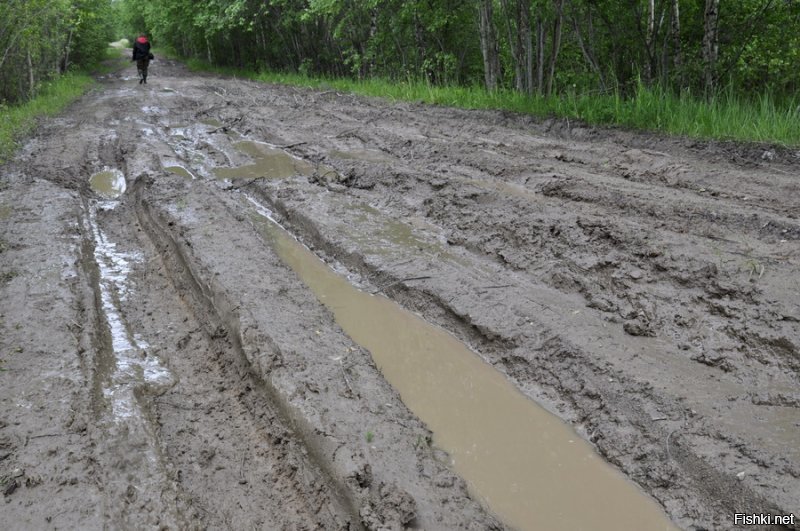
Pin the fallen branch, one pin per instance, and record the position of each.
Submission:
(226, 126)
(344, 374)
(48, 435)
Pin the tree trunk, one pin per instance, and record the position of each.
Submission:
(556, 45)
(67, 48)
(710, 44)
(489, 49)
(31, 77)
(519, 41)
(650, 40)
(540, 38)
(677, 58)
(587, 51)
(373, 31)
(510, 14)
(526, 42)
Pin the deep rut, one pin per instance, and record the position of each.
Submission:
(208, 449)
(229, 473)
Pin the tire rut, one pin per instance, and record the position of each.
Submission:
(231, 446)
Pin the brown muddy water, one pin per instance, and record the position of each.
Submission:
(525, 464)
(109, 184)
(268, 163)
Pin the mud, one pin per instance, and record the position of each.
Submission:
(522, 462)
(162, 366)
(268, 162)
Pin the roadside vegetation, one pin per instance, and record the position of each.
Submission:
(19, 120)
(714, 69)
(703, 69)
(47, 50)
(725, 116)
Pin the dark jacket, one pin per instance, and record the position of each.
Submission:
(141, 49)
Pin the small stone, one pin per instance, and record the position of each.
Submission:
(18, 472)
(10, 487)
(636, 274)
(636, 327)
(740, 475)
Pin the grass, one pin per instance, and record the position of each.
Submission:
(726, 116)
(19, 120)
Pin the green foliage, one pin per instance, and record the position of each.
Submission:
(604, 44)
(609, 68)
(17, 121)
(93, 27)
(727, 116)
(40, 39)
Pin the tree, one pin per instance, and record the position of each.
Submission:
(710, 43)
(489, 46)
(526, 45)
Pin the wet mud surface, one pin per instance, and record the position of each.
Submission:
(166, 364)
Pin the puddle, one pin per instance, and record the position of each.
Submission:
(109, 184)
(268, 163)
(180, 171)
(527, 466)
(122, 371)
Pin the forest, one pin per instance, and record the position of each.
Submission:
(533, 46)
(749, 48)
(42, 39)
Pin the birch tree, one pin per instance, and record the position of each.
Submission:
(710, 44)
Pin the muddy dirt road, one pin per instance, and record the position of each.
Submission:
(521, 324)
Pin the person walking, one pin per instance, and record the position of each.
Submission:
(142, 56)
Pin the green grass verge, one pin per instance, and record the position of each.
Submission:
(20, 120)
(725, 117)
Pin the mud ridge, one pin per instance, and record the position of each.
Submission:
(605, 414)
(391, 481)
(219, 315)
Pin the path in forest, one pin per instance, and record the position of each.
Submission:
(163, 365)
